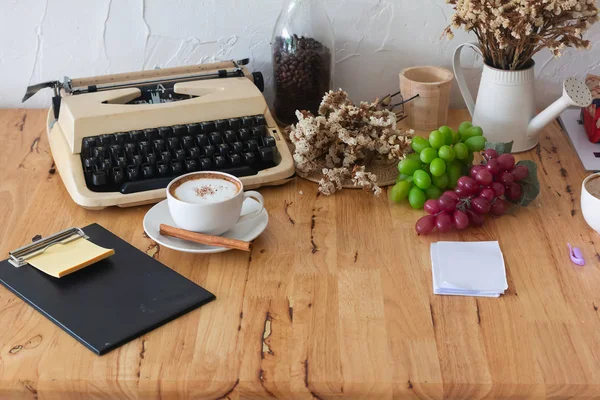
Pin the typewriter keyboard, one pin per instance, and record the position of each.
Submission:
(148, 159)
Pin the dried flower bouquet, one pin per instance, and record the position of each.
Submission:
(510, 32)
(343, 139)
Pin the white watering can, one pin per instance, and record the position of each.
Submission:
(505, 108)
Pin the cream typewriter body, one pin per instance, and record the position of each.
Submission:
(120, 139)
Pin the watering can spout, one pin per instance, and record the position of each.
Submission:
(575, 93)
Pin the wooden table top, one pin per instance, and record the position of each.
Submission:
(335, 299)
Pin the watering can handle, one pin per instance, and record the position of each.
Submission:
(460, 76)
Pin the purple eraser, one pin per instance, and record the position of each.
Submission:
(576, 255)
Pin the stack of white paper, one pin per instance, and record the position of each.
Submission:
(468, 269)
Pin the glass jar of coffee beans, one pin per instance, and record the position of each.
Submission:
(302, 47)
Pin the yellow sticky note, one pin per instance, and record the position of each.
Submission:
(62, 259)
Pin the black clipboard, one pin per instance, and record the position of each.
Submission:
(111, 302)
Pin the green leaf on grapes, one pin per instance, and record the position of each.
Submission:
(530, 185)
(500, 147)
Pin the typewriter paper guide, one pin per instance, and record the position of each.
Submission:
(62, 259)
(93, 114)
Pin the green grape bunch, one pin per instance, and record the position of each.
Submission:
(437, 163)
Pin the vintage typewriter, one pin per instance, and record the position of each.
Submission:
(120, 139)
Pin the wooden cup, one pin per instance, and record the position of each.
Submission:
(429, 111)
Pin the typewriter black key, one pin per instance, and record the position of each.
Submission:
(115, 150)
(98, 151)
(165, 156)
(237, 147)
(194, 152)
(121, 137)
(165, 131)
(129, 148)
(179, 130)
(132, 172)
(244, 134)
(150, 158)
(267, 153)
(207, 127)
(180, 155)
(216, 138)
(121, 162)
(117, 175)
(202, 140)
(258, 131)
(88, 143)
(220, 161)
(105, 140)
(89, 162)
(269, 141)
(247, 122)
(176, 167)
(252, 145)
(191, 165)
(231, 136)
(159, 145)
(162, 168)
(147, 171)
(235, 123)
(208, 151)
(249, 158)
(221, 125)
(234, 159)
(193, 129)
(187, 142)
(205, 163)
(173, 143)
(260, 120)
(223, 149)
(137, 160)
(135, 136)
(106, 164)
(144, 147)
(99, 178)
(150, 134)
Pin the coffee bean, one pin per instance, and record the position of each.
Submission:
(302, 71)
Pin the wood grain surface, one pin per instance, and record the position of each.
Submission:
(334, 300)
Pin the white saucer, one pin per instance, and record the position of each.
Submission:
(246, 231)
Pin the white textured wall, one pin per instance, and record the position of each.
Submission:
(47, 39)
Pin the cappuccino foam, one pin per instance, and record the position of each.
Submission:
(205, 190)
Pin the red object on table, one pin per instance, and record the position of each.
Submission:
(591, 118)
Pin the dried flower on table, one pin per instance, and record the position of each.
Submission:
(510, 32)
(343, 137)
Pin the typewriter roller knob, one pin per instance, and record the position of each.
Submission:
(176, 167)
(132, 172)
(99, 178)
(147, 170)
(259, 81)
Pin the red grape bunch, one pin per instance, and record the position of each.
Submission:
(483, 192)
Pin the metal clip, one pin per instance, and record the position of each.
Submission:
(19, 257)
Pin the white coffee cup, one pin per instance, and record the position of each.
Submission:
(590, 205)
(211, 217)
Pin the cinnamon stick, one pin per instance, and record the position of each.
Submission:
(201, 238)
